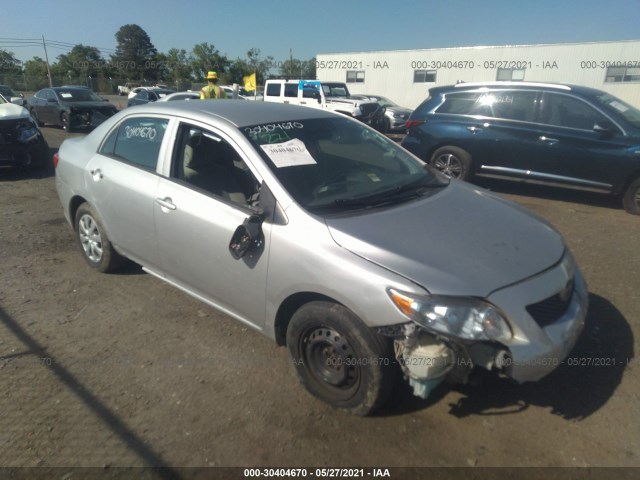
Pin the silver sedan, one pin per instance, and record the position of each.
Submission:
(329, 238)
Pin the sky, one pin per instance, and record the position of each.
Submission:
(307, 28)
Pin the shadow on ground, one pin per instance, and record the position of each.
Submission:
(579, 387)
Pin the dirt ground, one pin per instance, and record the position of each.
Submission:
(122, 370)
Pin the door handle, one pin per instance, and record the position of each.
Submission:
(548, 140)
(473, 129)
(166, 203)
(96, 174)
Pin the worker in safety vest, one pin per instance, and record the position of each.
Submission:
(212, 90)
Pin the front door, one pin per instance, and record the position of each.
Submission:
(208, 194)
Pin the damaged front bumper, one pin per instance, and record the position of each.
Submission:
(545, 326)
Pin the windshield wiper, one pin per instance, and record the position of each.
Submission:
(401, 193)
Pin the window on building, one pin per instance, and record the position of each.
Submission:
(424, 76)
(355, 76)
(622, 74)
(510, 74)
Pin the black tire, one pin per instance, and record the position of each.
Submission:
(340, 360)
(93, 241)
(65, 120)
(34, 115)
(631, 198)
(453, 162)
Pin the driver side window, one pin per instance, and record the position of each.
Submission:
(208, 163)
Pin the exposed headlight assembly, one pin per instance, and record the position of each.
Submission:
(463, 317)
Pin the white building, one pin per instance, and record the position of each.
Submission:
(405, 76)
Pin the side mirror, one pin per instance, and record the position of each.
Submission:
(604, 127)
(247, 236)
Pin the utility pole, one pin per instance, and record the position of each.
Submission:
(47, 60)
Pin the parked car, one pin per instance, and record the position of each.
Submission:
(329, 238)
(21, 143)
(553, 134)
(148, 95)
(12, 96)
(242, 93)
(189, 95)
(70, 107)
(395, 115)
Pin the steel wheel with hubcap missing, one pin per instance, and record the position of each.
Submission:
(453, 162)
(66, 121)
(340, 360)
(92, 238)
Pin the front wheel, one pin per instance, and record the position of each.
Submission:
(631, 198)
(453, 162)
(340, 360)
(93, 240)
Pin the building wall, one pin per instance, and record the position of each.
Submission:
(391, 73)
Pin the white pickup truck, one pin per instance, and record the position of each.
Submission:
(333, 96)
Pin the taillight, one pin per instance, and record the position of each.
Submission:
(413, 123)
(56, 157)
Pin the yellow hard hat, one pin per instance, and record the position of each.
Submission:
(212, 76)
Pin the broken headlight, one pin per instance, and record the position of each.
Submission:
(463, 317)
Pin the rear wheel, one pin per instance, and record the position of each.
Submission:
(93, 240)
(631, 198)
(453, 162)
(340, 360)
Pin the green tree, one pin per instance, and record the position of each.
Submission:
(36, 67)
(135, 55)
(81, 62)
(259, 65)
(295, 68)
(178, 66)
(204, 58)
(9, 64)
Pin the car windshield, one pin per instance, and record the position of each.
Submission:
(335, 90)
(336, 164)
(8, 92)
(78, 95)
(385, 102)
(613, 104)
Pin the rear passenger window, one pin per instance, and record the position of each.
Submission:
(509, 105)
(290, 89)
(459, 103)
(273, 90)
(137, 141)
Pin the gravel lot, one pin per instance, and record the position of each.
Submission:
(122, 370)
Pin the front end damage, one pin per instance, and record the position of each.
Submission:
(525, 338)
(21, 143)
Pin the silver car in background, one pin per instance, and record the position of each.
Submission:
(328, 238)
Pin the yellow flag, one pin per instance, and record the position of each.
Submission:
(250, 82)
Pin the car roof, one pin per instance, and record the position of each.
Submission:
(240, 114)
(560, 87)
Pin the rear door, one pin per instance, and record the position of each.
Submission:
(122, 178)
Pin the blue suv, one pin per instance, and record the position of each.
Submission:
(560, 135)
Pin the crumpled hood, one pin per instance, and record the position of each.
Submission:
(459, 241)
(12, 111)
